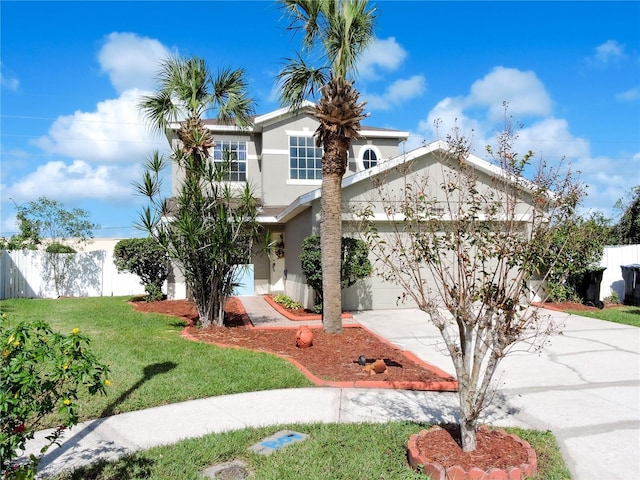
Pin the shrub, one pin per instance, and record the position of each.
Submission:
(41, 372)
(57, 247)
(355, 262)
(286, 301)
(145, 258)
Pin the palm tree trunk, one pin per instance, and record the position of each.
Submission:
(330, 247)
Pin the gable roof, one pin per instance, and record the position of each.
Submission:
(304, 201)
(261, 121)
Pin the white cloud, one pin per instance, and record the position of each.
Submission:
(551, 139)
(131, 61)
(64, 181)
(524, 92)
(447, 114)
(607, 53)
(115, 132)
(630, 95)
(398, 92)
(8, 81)
(382, 54)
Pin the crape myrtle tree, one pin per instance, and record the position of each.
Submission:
(463, 251)
(208, 226)
(47, 223)
(337, 31)
(147, 259)
(355, 263)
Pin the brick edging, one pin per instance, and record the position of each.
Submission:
(444, 386)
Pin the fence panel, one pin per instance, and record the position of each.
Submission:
(33, 274)
(613, 258)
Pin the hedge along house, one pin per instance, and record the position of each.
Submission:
(279, 159)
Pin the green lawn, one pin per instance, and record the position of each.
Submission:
(150, 363)
(332, 451)
(627, 315)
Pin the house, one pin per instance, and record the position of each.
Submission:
(279, 158)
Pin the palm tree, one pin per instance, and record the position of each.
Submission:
(340, 30)
(210, 225)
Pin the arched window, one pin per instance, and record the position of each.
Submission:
(369, 158)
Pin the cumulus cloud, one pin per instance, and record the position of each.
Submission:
(102, 150)
(480, 114)
(8, 81)
(551, 138)
(114, 132)
(607, 53)
(386, 54)
(524, 92)
(64, 181)
(131, 61)
(398, 92)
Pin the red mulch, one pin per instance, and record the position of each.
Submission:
(334, 358)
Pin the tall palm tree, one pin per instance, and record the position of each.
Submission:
(338, 30)
(187, 92)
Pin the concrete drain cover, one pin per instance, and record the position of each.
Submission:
(235, 470)
(278, 440)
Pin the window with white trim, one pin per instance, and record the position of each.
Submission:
(369, 158)
(237, 158)
(305, 159)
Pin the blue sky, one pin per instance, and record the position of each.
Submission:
(72, 74)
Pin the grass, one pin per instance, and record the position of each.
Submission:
(332, 451)
(150, 363)
(627, 315)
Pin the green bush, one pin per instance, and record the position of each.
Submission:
(57, 247)
(145, 258)
(355, 262)
(41, 372)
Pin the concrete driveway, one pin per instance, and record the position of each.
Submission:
(584, 386)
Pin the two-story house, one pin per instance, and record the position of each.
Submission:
(279, 159)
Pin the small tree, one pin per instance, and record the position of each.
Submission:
(207, 229)
(463, 249)
(577, 245)
(41, 372)
(627, 230)
(355, 264)
(59, 230)
(147, 259)
(27, 239)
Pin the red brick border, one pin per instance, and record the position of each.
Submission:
(438, 472)
(297, 318)
(445, 386)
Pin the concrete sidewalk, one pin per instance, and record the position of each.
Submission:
(584, 387)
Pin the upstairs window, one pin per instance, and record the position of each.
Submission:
(305, 159)
(369, 159)
(237, 158)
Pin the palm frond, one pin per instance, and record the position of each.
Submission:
(299, 82)
(230, 97)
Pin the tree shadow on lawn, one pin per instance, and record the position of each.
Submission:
(101, 449)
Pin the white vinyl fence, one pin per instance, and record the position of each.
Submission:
(612, 260)
(29, 274)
